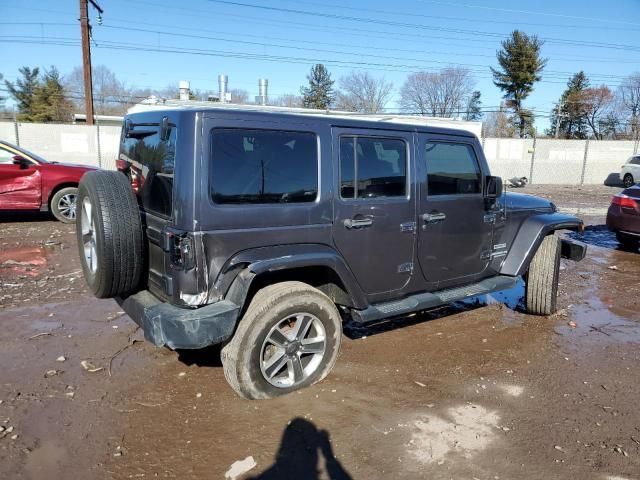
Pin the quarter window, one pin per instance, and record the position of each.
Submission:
(452, 169)
(263, 166)
(372, 167)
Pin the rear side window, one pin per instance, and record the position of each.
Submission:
(152, 161)
(372, 167)
(263, 166)
(452, 169)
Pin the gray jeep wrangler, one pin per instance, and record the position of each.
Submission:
(263, 230)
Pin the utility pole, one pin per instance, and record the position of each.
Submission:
(559, 116)
(85, 30)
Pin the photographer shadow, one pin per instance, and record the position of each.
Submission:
(304, 453)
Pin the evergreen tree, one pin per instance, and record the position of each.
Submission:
(520, 67)
(49, 103)
(319, 94)
(568, 117)
(474, 105)
(23, 90)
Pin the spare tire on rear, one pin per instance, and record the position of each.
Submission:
(109, 232)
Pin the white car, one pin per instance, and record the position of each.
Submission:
(630, 173)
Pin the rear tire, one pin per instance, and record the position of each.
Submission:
(542, 278)
(269, 355)
(628, 181)
(628, 242)
(64, 203)
(109, 233)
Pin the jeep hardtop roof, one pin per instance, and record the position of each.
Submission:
(332, 117)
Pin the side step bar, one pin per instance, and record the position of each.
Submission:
(424, 301)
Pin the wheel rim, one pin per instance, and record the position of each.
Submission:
(89, 236)
(67, 206)
(293, 350)
(628, 181)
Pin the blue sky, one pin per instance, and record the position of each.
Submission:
(389, 39)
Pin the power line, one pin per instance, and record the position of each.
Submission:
(414, 14)
(335, 16)
(526, 12)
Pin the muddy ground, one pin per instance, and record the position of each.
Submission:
(471, 391)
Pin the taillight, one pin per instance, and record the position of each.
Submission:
(624, 201)
(180, 248)
(122, 165)
(135, 181)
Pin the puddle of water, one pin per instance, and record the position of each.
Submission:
(597, 322)
(598, 235)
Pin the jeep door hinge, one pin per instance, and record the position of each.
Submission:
(408, 227)
(405, 267)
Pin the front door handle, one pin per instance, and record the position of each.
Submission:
(434, 217)
(358, 222)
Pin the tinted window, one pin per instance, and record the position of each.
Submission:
(152, 162)
(635, 161)
(263, 166)
(376, 165)
(452, 168)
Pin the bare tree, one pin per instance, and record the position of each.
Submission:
(629, 97)
(441, 94)
(239, 96)
(498, 124)
(110, 95)
(597, 103)
(287, 100)
(362, 92)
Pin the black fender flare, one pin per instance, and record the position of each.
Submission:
(530, 236)
(236, 276)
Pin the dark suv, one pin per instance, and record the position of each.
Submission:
(263, 230)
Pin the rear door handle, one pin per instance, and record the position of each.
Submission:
(435, 217)
(357, 222)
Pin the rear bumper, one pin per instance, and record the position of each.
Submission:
(619, 220)
(175, 327)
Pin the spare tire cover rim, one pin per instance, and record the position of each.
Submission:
(293, 350)
(89, 236)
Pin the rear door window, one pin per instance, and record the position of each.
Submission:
(452, 169)
(152, 161)
(263, 166)
(372, 167)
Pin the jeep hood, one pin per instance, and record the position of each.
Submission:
(521, 201)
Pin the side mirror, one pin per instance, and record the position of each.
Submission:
(493, 187)
(20, 160)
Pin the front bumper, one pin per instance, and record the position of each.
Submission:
(175, 327)
(573, 249)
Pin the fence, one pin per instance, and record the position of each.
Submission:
(541, 160)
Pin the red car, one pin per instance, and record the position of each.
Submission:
(623, 217)
(29, 182)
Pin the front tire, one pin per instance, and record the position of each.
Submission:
(63, 204)
(542, 278)
(628, 181)
(288, 339)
